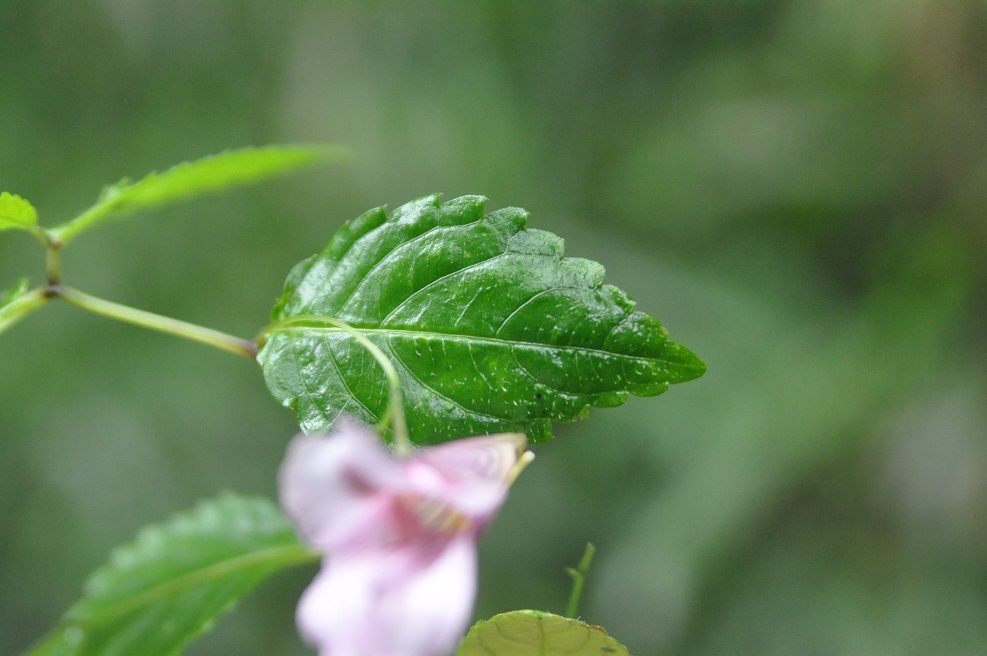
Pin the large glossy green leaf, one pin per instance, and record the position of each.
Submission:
(171, 584)
(490, 328)
(535, 633)
(190, 179)
(16, 213)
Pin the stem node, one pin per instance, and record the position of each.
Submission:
(578, 575)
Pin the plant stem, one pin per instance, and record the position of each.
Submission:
(578, 575)
(157, 322)
(394, 416)
(21, 306)
(53, 265)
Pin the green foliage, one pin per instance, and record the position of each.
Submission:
(190, 179)
(535, 633)
(16, 213)
(170, 585)
(490, 328)
(748, 171)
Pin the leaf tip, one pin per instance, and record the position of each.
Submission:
(683, 364)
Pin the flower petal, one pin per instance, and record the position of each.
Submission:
(402, 602)
(474, 473)
(335, 488)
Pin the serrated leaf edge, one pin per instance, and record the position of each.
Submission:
(10, 220)
(580, 273)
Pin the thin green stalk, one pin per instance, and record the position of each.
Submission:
(41, 235)
(67, 231)
(394, 416)
(157, 322)
(280, 557)
(53, 262)
(578, 575)
(21, 306)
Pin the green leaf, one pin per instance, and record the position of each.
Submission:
(16, 213)
(490, 328)
(534, 633)
(171, 584)
(190, 179)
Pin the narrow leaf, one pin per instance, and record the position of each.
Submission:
(490, 328)
(190, 179)
(171, 584)
(16, 213)
(534, 633)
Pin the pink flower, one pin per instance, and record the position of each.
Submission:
(400, 536)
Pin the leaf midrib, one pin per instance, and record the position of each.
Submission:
(287, 554)
(470, 338)
(386, 258)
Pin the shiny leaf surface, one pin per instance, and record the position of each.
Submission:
(490, 328)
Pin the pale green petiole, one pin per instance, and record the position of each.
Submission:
(394, 416)
(22, 306)
(157, 322)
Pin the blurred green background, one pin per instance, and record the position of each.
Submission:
(795, 188)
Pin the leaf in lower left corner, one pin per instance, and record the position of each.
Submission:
(171, 584)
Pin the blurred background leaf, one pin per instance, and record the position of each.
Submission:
(536, 633)
(795, 188)
(162, 590)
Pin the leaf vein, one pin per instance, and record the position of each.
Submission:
(431, 389)
(386, 256)
(304, 380)
(342, 379)
(289, 554)
(520, 307)
(437, 281)
(383, 258)
(504, 343)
